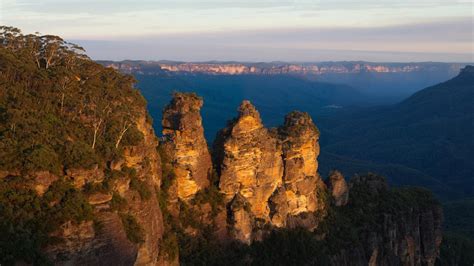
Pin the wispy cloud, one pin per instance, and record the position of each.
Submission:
(441, 41)
(261, 28)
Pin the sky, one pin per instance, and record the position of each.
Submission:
(255, 30)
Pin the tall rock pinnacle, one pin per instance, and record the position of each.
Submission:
(299, 137)
(185, 142)
(251, 167)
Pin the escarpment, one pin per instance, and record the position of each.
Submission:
(395, 226)
(269, 181)
(128, 225)
(79, 164)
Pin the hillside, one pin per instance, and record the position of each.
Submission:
(78, 163)
(430, 132)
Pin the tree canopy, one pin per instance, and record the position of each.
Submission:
(58, 108)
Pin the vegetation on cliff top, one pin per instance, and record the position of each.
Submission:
(59, 110)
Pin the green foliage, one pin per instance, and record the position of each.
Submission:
(209, 195)
(169, 246)
(118, 203)
(141, 187)
(456, 250)
(132, 228)
(188, 216)
(27, 219)
(459, 217)
(79, 154)
(41, 158)
(58, 108)
(133, 137)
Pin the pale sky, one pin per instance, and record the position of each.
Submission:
(255, 30)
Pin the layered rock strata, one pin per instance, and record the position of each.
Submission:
(301, 181)
(186, 146)
(108, 244)
(270, 174)
(251, 169)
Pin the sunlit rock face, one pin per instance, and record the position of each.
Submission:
(251, 167)
(84, 244)
(338, 188)
(271, 172)
(298, 194)
(184, 138)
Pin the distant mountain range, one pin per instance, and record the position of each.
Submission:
(387, 82)
(238, 68)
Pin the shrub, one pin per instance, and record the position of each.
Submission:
(132, 228)
(118, 203)
(132, 137)
(141, 187)
(79, 154)
(41, 158)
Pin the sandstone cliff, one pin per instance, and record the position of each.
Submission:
(301, 181)
(269, 181)
(268, 176)
(108, 240)
(400, 227)
(185, 144)
(251, 169)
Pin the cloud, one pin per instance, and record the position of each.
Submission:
(439, 41)
(113, 6)
(220, 29)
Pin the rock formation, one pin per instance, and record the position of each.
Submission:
(251, 167)
(299, 138)
(338, 187)
(404, 235)
(273, 173)
(186, 145)
(84, 244)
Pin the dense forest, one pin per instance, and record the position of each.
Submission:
(59, 111)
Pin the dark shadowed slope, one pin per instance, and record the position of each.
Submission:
(430, 132)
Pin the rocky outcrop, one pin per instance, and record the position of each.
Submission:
(271, 174)
(408, 225)
(185, 143)
(338, 188)
(251, 167)
(299, 139)
(108, 243)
